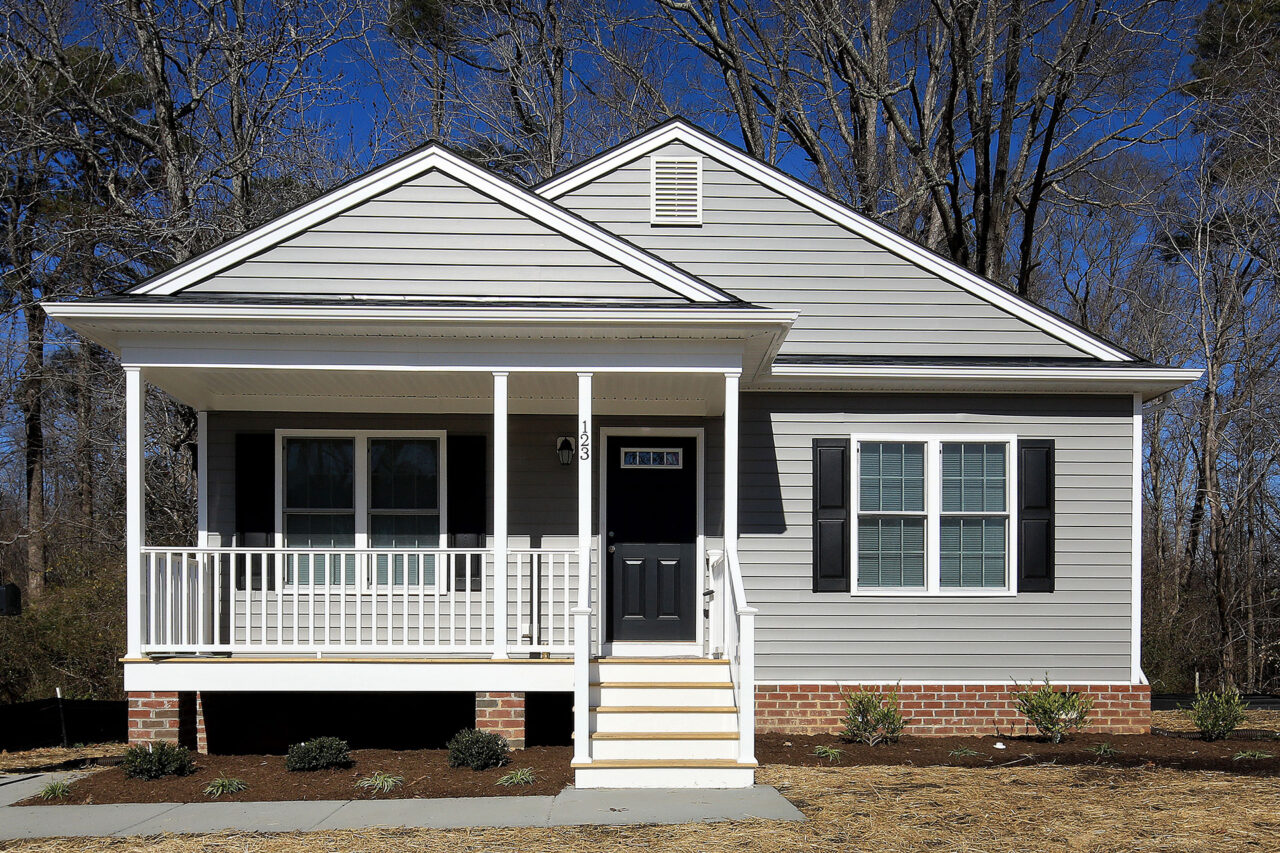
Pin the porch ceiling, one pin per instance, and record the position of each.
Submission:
(296, 390)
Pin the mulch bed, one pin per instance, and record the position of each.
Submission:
(1174, 750)
(426, 774)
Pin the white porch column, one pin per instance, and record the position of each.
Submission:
(744, 613)
(202, 480)
(731, 462)
(582, 611)
(499, 515)
(135, 401)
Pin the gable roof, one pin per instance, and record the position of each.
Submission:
(432, 158)
(682, 132)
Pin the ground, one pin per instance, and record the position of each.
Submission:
(1093, 808)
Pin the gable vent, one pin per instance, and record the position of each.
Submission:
(675, 190)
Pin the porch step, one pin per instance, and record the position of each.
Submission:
(664, 773)
(664, 745)
(667, 694)
(649, 670)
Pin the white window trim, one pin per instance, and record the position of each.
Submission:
(361, 478)
(654, 217)
(933, 515)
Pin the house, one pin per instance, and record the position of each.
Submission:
(671, 432)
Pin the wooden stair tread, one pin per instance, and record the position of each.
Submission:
(664, 762)
(667, 685)
(716, 661)
(665, 736)
(663, 709)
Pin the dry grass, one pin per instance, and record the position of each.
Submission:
(1176, 721)
(891, 809)
(36, 758)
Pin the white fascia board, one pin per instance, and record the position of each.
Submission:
(1149, 382)
(405, 169)
(838, 213)
(411, 312)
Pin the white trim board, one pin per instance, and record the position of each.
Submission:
(726, 155)
(409, 167)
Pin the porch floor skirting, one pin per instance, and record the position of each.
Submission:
(944, 709)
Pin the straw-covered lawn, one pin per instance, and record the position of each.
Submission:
(1176, 721)
(1046, 808)
(36, 759)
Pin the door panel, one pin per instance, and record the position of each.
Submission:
(651, 537)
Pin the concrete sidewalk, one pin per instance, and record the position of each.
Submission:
(571, 807)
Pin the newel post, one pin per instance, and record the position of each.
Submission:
(135, 402)
(582, 611)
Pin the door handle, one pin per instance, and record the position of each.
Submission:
(611, 549)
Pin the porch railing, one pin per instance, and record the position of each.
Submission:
(732, 630)
(437, 600)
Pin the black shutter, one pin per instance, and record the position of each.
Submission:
(1035, 515)
(831, 498)
(255, 503)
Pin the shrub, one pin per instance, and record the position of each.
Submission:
(1104, 750)
(963, 752)
(380, 782)
(58, 790)
(157, 760)
(1251, 755)
(224, 785)
(523, 776)
(830, 753)
(1053, 712)
(1217, 713)
(478, 750)
(872, 718)
(321, 753)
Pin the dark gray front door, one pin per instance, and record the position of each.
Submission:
(651, 537)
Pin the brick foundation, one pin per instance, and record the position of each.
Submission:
(944, 709)
(167, 717)
(502, 713)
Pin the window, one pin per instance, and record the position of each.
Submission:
(933, 516)
(365, 490)
(652, 457)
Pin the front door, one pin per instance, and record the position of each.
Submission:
(651, 517)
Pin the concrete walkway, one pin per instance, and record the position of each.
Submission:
(571, 807)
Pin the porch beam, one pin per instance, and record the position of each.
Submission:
(135, 401)
(582, 612)
(500, 475)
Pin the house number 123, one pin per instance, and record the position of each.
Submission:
(584, 444)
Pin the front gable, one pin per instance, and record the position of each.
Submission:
(432, 226)
(861, 291)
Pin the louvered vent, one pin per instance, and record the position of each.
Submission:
(676, 191)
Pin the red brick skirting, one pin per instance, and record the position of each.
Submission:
(502, 713)
(944, 709)
(168, 717)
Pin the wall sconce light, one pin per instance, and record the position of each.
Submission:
(564, 449)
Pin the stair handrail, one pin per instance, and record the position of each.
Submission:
(739, 619)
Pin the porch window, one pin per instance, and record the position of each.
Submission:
(390, 504)
(933, 516)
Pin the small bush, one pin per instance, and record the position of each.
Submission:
(157, 760)
(224, 785)
(1251, 755)
(1217, 713)
(478, 750)
(321, 753)
(523, 776)
(59, 790)
(872, 718)
(963, 752)
(830, 753)
(1053, 712)
(380, 782)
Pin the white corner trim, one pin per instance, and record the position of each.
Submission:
(838, 213)
(405, 169)
(1136, 674)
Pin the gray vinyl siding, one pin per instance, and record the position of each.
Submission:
(433, 237)
(854, 298)
(1079, 633)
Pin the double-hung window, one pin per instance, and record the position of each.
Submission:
(361, 491)
(933, 516)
